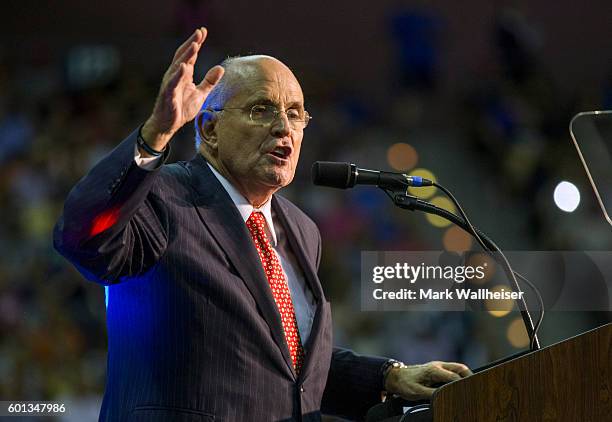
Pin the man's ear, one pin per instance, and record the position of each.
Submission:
(207, 122)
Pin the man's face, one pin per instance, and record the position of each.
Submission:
(259, 157)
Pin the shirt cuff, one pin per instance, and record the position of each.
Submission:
(145, 163)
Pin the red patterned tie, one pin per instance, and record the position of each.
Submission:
(278, 283)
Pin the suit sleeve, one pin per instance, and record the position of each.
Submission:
(354, 384)
(113, 225)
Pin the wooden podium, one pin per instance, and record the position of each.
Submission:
(568, 381)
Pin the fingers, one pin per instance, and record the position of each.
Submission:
(457, 368)
(190, 55)
(441, 375)
(417, 381)
(188, 51)
(412, 383)
(176, 77)
(212, 78)
(424, 393)
(442, 372)
(198, 36)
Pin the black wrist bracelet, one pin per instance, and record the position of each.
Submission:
(143, 144)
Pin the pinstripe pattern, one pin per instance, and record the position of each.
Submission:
(193, 330)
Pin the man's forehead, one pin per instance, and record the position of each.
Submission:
(264, 77)
(270, 90)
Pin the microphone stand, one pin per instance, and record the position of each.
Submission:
(412, 203)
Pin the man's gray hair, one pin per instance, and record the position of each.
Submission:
(216, 98)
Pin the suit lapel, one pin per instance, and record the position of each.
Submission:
(296, 240)
(321, 317)
(223, 220)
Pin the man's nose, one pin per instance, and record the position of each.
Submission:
(281, 126)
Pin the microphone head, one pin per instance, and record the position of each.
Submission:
(333, 174)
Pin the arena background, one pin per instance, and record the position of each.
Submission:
(478, 93)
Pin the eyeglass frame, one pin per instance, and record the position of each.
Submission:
(306, 120)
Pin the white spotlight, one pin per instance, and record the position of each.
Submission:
(567, 196)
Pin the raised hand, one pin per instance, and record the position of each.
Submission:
(179, 98)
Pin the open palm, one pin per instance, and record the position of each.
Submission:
(179, 98)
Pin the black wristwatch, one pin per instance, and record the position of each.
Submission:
(388, 365)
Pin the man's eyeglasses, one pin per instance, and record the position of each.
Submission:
(266, 114)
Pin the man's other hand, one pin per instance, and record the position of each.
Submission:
(179, 99)
(417, 382)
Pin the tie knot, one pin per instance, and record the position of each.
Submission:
(256, 222)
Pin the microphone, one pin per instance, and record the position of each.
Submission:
(346, 175)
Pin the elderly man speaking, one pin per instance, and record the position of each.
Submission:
(215, 311)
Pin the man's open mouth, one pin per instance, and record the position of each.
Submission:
(281, 152)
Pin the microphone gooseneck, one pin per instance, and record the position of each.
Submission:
(346, 175)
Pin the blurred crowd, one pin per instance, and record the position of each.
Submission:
(505, 128)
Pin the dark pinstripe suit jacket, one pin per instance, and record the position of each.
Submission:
(193, 330)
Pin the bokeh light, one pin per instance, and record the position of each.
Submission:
(489, 264)
(442, 202)
(567, 196)
(427, 191)
(402, 157)
(501, 307)
(456, 239)
(516, 334)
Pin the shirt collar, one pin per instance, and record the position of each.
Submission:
(244, 207)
